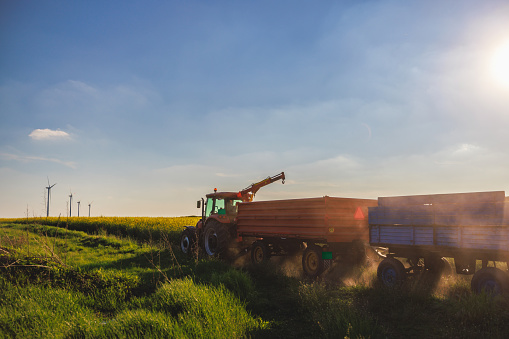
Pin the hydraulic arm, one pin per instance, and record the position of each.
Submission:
(248, 193)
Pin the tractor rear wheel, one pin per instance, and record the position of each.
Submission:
(312, 261)
(215, 238)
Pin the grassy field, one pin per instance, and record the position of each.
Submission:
(125, 277)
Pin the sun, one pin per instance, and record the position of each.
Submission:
(500, 64)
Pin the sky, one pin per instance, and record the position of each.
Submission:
(140, 108)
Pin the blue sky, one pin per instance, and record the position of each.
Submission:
(141, 108)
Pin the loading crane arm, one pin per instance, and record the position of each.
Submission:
(248, 193)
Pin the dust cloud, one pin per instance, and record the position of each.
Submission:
(340, 272)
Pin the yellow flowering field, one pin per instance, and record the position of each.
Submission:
(141, 228)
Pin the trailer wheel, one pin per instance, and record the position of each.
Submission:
(491, 280)
(188, 240)
(215, 238)
(260, 252)
(438, 265)
(391, 272)
(312, 261)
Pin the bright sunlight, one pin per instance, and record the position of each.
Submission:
(500, 64)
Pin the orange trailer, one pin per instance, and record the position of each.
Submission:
(326, 219)
(329, 227)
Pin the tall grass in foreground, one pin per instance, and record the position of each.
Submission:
(178, 309)
(41, 297)
(337, 314)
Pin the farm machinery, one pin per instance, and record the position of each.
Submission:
(326, 228)
(417, 232)
(216, 228)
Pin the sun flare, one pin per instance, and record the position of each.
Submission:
(500, 64)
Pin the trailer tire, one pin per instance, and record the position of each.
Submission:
(491, 280)
(438, 265)
(312, 261)
(260, 252)
(215, 238)
(391, 272)
(188, 240)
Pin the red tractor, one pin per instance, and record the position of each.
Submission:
(217, 226)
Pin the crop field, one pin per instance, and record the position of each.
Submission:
(139, 228)
(125, 277)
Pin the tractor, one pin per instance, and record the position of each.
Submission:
(217, 226)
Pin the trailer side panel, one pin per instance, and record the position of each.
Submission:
(467, 221)
(326, 219)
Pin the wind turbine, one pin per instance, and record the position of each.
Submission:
(90, 203)
(79, 208)
(49, 194)
(70, 205)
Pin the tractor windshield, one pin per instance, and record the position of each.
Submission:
(221, 207)
(213, 206)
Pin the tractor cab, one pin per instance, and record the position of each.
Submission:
(221, 206)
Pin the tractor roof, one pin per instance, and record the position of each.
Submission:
(224, 195)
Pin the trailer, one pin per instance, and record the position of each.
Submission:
(424, 230)
(327, 228)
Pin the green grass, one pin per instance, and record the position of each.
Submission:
(179, 308)
(62, 282)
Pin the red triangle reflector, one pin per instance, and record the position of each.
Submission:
(358, 214)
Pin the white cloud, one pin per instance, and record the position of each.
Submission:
(48, 134)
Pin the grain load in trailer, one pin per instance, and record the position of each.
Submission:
(426, 229)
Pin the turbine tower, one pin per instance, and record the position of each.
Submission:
(49, 194)
(90, 203)
(79, 208)
(70, 205)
